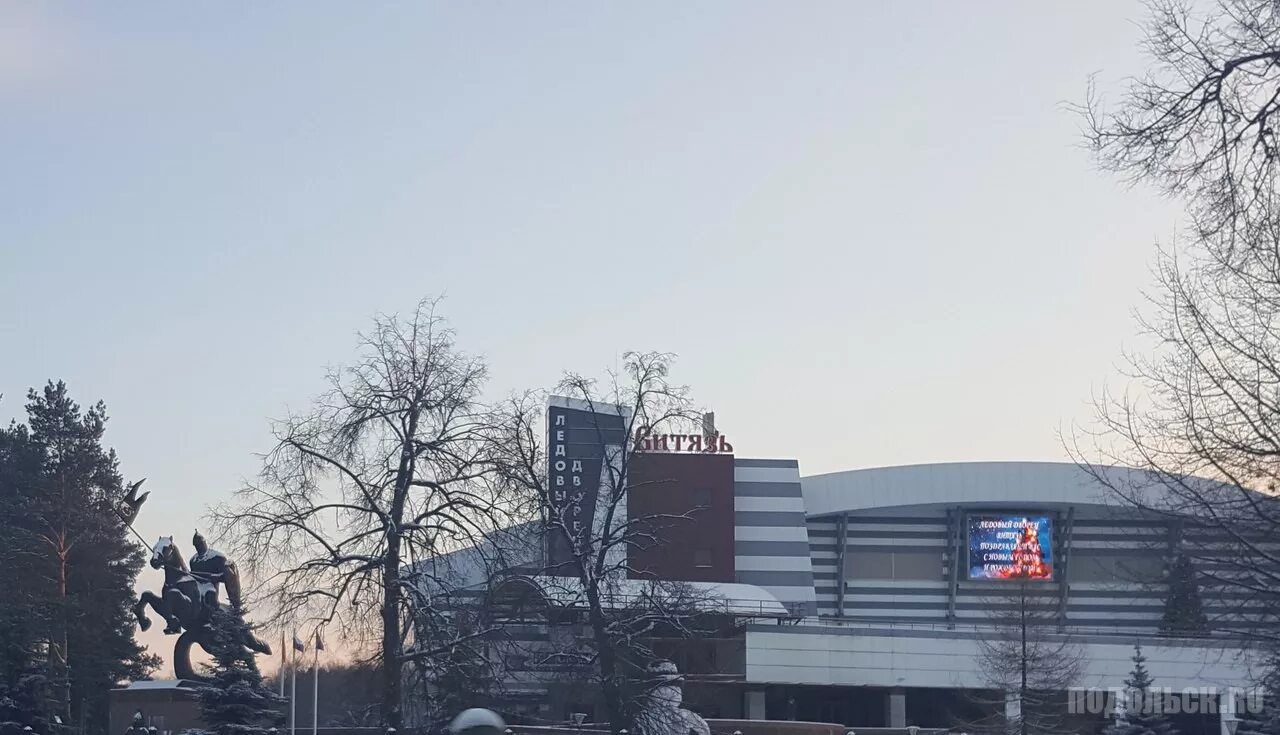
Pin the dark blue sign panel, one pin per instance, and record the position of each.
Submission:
(577, 441)
(1010, 547)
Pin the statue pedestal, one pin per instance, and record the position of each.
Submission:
(168, 705)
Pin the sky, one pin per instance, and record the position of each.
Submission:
(869, 231)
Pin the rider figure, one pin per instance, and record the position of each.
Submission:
(209, 567)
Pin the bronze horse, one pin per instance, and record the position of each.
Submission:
(188, 599)
(179, 599)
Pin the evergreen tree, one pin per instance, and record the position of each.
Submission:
(68, 565)
(25, 691)
(1264, 720)
(235, 701)
(1183, 613)
(1141, 716)
(89, 558)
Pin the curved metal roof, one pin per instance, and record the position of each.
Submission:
(970, 483)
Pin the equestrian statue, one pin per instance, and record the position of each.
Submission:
(190, 593)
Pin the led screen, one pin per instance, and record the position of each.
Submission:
(1010, 547)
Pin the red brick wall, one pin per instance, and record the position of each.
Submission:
(677, 484)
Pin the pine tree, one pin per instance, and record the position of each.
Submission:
(1264, 720)
(85, 565)
(235, 701)
(1141, 716)
(1183, 613)
(25, 689)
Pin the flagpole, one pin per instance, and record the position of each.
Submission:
(284, 662)
(293, 692)
(315, 690)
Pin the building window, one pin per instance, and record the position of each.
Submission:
(1115, 569)
(517, 663)
(906, 564)
(702, 558)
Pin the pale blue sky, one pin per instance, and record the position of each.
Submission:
(867, 229)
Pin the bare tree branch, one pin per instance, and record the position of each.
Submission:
(387, 469)
(623, 613)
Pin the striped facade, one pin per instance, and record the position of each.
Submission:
(879, 557)
(771, 539)
(898, 567)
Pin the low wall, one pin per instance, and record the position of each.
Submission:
(783, 727)
(730, 727)
(895, 657)
(772, 727)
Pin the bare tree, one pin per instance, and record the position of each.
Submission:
(1028, 665)
(387, 469)
(1200, 423)
(1205, 402)
(1201, 122)
(592, 551)
(452, 616)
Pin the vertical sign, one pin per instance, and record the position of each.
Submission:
(578, 441)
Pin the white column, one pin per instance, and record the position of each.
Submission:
(1012, 708)
(1227, 711)
(895, 708)
(753, 704)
